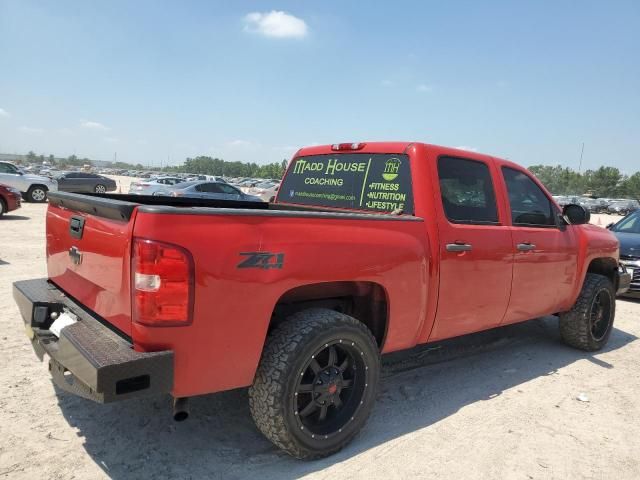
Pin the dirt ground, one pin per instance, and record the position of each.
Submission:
(498, 405)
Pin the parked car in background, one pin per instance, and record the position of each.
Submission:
(85, 182)
(599, 205)
(627, 231)
(149, 187)
(9, 199)
(623, 207)
(211, 190)
(267, 191)
(208, 178)
(34, 188)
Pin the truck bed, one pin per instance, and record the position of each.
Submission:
(121, 207)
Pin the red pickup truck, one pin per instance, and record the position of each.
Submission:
(369, 248)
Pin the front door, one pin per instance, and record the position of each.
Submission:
(475, 250)
(545, 262)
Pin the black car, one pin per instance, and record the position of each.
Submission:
(623, 207)
(85, 182)
(627, 231)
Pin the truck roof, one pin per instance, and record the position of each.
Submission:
(395, 147)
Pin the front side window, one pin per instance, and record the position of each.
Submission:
(630, 224)
(207, 187)
(529, 205)
(8, 168)
(467, 191)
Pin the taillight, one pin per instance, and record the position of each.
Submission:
(162, 284)
(347, 146)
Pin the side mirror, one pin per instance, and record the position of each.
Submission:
(576, 214)
(610, 226)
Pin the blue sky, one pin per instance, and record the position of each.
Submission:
(256, 80)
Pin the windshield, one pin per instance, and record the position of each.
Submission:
(630, 224)
(377, 182)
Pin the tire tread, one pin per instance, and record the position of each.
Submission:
(266, 395)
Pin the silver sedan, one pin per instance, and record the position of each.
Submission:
(209, 190)
(151, 186)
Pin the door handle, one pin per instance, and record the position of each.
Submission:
(458, 247)
(525, 247)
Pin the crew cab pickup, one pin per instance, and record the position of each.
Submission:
(369, 248)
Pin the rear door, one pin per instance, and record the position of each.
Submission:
(475, 249)
(87, 182)
(546, 252)
(228, 192)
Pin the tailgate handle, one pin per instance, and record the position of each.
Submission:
(76, 226)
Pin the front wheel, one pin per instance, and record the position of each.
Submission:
(316, 383)
(589, 323)
(37, 194)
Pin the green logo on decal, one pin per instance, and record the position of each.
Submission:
(391, 169)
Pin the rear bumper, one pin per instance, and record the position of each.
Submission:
(89, 359)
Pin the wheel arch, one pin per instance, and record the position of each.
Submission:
(365, 301)
(606, 266)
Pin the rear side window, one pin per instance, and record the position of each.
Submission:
(529, 205)
(467, 191)
(378, 182)
(228, 189)
(207, 187)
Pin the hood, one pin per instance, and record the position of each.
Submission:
(37, 178)
(629, 243)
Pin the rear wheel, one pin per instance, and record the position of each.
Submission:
(589, 323)
(37, 194)
(316, 383)
(3, 207)
(100, 189)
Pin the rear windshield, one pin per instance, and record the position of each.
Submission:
(379, 182)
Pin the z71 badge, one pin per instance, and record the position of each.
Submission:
(264, 260)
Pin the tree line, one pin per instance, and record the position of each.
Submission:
(606, 182)
(202, 165)
(216, 166)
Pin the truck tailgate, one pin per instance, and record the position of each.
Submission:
(88, 256)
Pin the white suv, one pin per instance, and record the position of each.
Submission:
(34, 188)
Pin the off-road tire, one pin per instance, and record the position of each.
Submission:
(288, 348)
(34, 196)
(576, 324)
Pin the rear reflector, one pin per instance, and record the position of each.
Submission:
(347, 146)
(163, 284)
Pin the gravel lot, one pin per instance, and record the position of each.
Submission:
(502, 404)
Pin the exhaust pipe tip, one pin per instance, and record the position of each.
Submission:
(180, 409)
